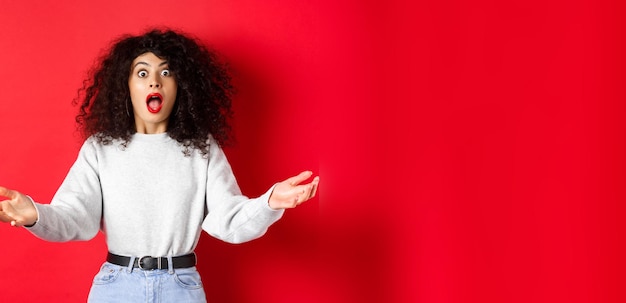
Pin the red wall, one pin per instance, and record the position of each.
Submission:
(470, 151)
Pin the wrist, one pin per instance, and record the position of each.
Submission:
(36, 212)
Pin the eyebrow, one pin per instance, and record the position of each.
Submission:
(145, 63)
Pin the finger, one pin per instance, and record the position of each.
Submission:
(305, 194)
(4, 217)
(8, 211)
(291, 192)
(295, 180)
(309, 190)
(14, 217)
(301, 196)
(5, 192)
(314, 185)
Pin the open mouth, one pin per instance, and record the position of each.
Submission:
(154, 102)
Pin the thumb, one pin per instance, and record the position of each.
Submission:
(295, 180)
(5, 192)
(4, 217)
(9, 214)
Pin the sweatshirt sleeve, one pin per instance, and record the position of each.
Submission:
(76, 208)
(233, 217)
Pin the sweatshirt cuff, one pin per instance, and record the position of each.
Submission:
(275, 214)
(266, 198)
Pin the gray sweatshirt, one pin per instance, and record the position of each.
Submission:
(151, 200)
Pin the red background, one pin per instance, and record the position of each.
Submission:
(470, 151)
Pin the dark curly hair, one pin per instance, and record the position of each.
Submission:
(203, 100)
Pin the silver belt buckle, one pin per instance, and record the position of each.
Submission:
(141, 258)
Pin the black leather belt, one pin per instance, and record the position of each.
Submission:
(150, 263)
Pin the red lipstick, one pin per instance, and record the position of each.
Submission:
(154, 102)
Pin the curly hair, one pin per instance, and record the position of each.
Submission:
(203, 101)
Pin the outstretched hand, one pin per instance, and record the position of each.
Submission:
(18, 210)
(289, 193)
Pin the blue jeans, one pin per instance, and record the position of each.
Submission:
(117, 284)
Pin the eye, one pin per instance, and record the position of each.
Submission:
(142, 73)
(165, 73)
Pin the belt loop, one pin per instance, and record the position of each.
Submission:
(170, 265)
(131, 263)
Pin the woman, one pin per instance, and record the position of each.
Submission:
(151, 173)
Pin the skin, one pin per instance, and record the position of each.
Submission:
(150, 74)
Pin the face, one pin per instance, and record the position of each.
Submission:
(153, 93)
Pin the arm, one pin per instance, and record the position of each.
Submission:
(235, 218)
(75, 210)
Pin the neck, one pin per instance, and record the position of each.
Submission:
(149, 128)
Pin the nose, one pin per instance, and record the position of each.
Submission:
(155, 82)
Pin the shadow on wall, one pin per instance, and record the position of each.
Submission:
(229, 271)
(299, 260)
(304, 257)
